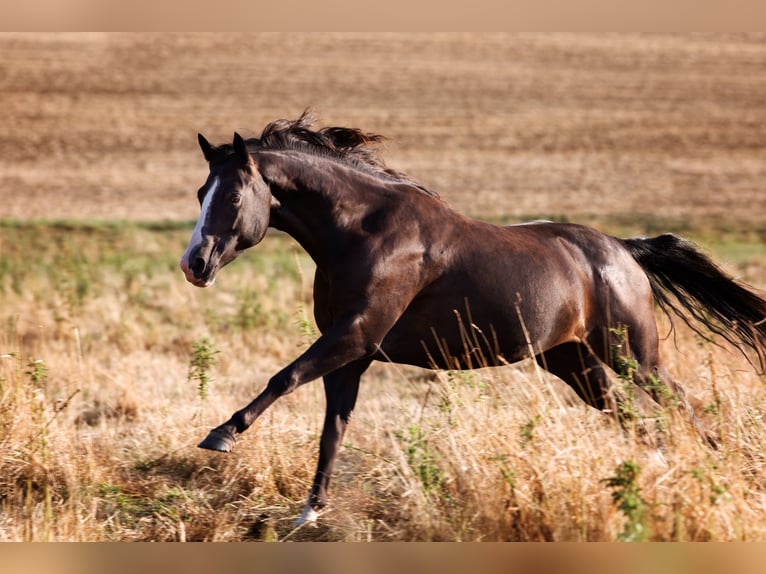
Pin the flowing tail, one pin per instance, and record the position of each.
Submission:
(687, 282)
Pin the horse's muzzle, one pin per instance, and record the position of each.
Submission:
(198, 273)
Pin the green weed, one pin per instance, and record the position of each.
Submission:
(203, 358)
(625, 367)
(308, 330)
(250, 313)
(527, 430)
(626, 494)
(422, 460)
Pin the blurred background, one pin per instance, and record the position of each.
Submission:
(503, 126)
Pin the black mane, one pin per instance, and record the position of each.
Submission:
(350, 146)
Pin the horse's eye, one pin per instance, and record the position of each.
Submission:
(236, 198)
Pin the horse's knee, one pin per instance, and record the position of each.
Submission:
(282, 384)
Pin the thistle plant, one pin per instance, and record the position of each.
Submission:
(202, 359)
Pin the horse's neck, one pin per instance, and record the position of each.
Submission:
(315, 203)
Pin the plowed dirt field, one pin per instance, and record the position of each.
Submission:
(103, 126)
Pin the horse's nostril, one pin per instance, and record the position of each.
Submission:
(198, 266)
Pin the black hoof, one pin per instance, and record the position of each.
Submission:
(220, 440)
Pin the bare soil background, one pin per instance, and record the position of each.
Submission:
(103, 126)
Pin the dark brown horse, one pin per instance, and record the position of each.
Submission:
(401, 277)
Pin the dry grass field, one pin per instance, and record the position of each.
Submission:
(100, 403)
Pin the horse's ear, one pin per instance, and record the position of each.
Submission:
(207, 149)
(240, 148)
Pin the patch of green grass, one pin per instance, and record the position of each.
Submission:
(423, 461)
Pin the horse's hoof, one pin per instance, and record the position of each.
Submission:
(220, 440)
(308, 517)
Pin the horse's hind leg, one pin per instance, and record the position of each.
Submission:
(581, 369)
(655, 379)
(641, 343)
(585, 372)
(341, 388)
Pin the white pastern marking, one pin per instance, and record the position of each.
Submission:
(308, 516)
(196, 237)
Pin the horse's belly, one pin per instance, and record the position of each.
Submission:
(452, 341)
(487, 323)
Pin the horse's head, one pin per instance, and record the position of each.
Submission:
(235, 207)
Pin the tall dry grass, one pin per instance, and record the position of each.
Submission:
(99, 417)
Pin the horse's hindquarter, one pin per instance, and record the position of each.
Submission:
(499, 290)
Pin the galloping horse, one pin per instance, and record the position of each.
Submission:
(401, 277)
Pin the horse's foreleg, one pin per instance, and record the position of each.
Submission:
(341, 389)
(223, 437)
(344, 343)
